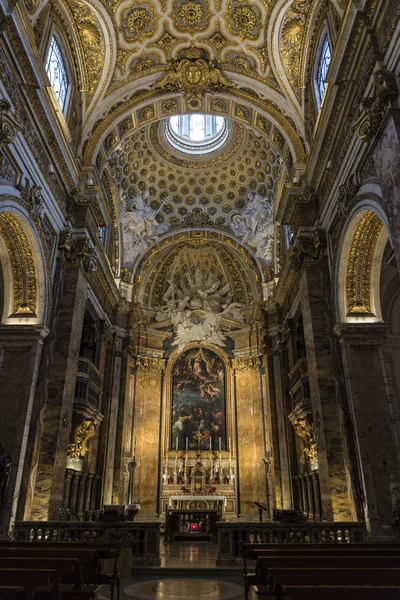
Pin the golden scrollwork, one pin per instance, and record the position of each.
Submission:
(194, 75)
(191, 13)
(22, 265)
(292, 34)
(10, 125)
(92, 41)
(150, 364)
(358, 280)
(249, 363)
(82, 435)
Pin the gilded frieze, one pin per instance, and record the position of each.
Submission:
(244, 365)
(150, 364)
(10, 125)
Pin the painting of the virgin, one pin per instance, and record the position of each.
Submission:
(198, 401)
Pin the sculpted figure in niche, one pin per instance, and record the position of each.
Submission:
(139, 226)
(255, 226)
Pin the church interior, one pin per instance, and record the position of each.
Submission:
(199, 299)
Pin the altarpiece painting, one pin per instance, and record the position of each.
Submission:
(198, 401)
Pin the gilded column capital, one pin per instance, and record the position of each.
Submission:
(283, 336)
(248, 363)
(32, 197)
(10, 125)
(306, 249)
(150, 364)
(76, 251)
(373, 110)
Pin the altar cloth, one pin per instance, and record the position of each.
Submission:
(196, 497)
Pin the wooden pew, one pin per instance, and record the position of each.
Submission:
(308, 592)
(29, 579)
(332, 576)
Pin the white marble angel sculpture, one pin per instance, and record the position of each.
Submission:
(139, 226)
(255, 226)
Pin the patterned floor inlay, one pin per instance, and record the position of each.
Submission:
(178, 589)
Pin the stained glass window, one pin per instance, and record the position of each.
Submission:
(323, 66)
(55, 69)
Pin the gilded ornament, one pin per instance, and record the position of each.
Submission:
(167, 42)
(191, 13)
(263, 124)
(306, 431)
(138, 22)
(216, 40)
(10, 125)
(359, 268)
(194, 75)
(169, 106)
(243, 19)
(82, 435)
(373, 110)
(76, 250)
(32, 195)
(144, 64)
(92, 41)
(147, 113)
(242, 112)
(291, 40)
(218, 105)
(22, 265)
(150, 364)
(243, 365)
(241, 62)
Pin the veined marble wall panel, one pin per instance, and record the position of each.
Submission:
(251, 442)
(147, 438)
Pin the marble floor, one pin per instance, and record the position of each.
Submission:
(188, 571)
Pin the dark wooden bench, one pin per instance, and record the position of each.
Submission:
(332, 576)
(29, 579)
(315, 592)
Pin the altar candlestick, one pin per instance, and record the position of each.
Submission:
(186, 458)
(230, 455)
(220, 458)
(211, 459)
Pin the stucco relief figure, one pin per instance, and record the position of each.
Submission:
(139, 226)
(255, 226)
(196, 308)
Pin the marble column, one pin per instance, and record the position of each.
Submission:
(335, 500)
(20, 354)
(251, 441)
(67, 489)
(376, 434)
(57, 412)
(147, 421)
(386, 155)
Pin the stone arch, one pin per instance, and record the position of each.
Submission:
(140, 109)
(24, 271)
(359, 266)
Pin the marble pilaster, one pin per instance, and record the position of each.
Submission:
(335, 502)
(57, 413)
(20, 354)
(378, 453)
(147, 421)
(282, 424)
(251, 453)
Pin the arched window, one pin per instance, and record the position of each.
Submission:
(324, 61)
(57, 72)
